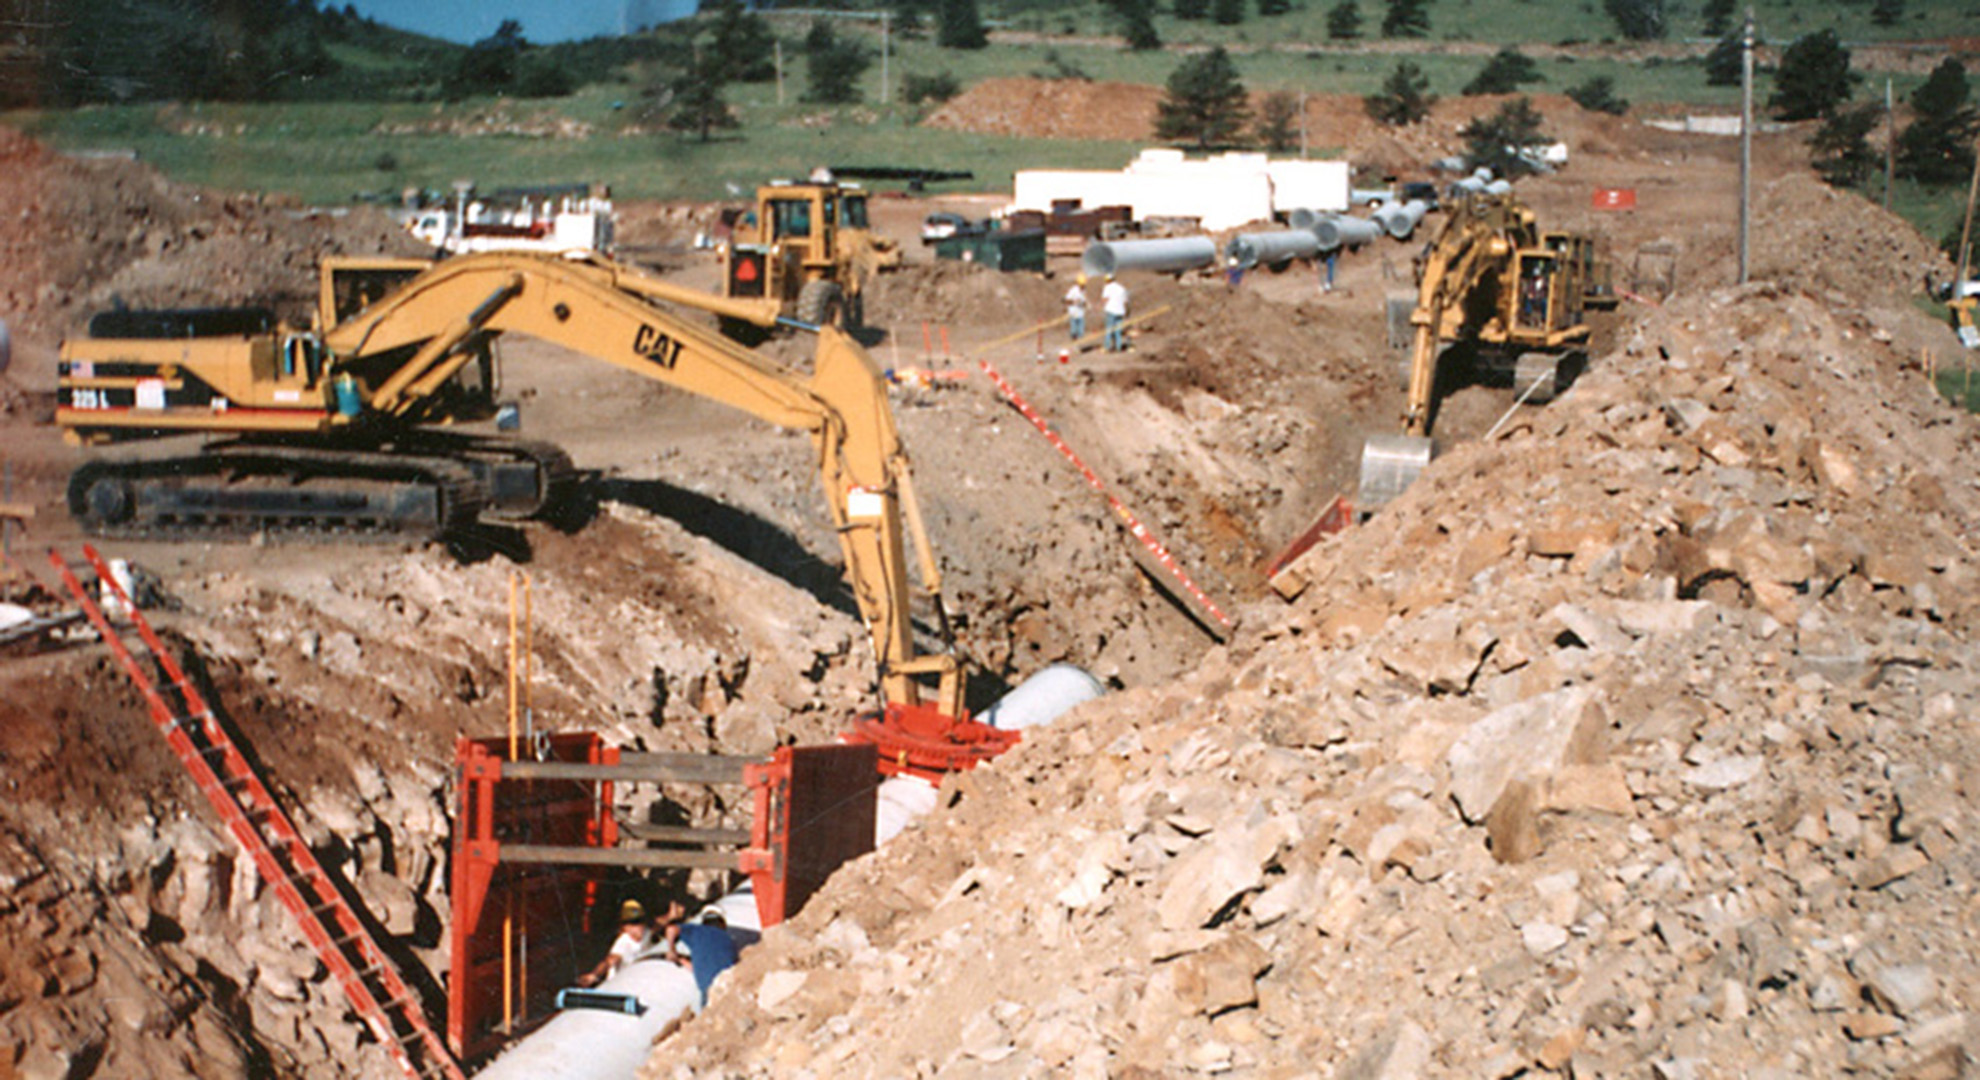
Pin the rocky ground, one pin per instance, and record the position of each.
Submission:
(1634, 741)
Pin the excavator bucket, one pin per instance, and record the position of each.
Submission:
(1389, 464)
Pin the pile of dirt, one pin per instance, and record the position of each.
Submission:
(1635, 736)
(1082, 109)
(87, 235)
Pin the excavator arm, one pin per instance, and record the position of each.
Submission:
(592, 307)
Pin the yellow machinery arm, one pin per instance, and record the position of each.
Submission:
(1463, 251)
(600, 309)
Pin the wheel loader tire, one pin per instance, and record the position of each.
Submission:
(821, 304)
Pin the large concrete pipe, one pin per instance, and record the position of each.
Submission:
(1400, 221)
(6, 345)
(598, 1044)
(1272, 248)
(1306, 219)
(1035, 702)
(1161, 256)
(1364, 196)
(1333, 233)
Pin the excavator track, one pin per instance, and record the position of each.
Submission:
(244, 490)
(519, 478)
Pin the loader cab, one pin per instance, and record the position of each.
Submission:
(1535, 302)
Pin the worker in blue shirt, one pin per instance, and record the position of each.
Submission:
(710, 949)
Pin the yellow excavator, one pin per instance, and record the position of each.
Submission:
(1497, 300)
(333, 431)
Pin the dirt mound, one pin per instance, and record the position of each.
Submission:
(1334, 123)
(1051, 109)
(1617, 733)
(87, 234)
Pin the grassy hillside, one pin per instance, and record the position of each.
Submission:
(327, 151)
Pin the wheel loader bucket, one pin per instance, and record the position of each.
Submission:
(1389, 464)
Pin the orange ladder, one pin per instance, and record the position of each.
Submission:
(231, 784)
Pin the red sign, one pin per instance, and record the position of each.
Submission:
(1615, 198)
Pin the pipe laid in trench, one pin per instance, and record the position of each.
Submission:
(595, 1044)
(1272, 248)
(1160, 256)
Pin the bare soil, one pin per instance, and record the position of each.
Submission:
(702, 610)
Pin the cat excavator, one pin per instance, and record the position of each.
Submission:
(1497, 300)
(339, 430)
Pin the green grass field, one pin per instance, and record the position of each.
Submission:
(325, 152)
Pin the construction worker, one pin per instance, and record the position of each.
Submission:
(710, 949)
(1114, 303)
(1076, 308)
(632, 940)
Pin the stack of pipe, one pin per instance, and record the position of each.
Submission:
(1272, 248)
(1160, 256)
(1399, 220)
(1334, 232)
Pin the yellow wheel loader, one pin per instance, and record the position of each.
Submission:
(809, 248)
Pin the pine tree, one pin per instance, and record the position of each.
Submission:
(1505, 73)
(1278, 121)
(698, 105)
(1269, 8)
(1718, 17)
(959, 27)
(832, 65)
(1227, 12)
(1639, 20)
(1722, 64)
(1599, 95)
(1886, 12)
(1500, 141)
(742, 41)
(1137, 23)
(1191, 10)
(1406, 18)
(1841, 146)
(1344, 21)
(1937, 146)
(1813, 79)
(1404, 99)
(1205, 104)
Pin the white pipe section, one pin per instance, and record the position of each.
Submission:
(1043, 698)
(1400, 221)
(1364, 196)
(1272, 248)
(1332, 233)
(1160, 256)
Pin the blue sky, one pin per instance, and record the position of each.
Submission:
(543, 21)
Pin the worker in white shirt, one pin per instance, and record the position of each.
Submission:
(1076, 308)
(1114, 303)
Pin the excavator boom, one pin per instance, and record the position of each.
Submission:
(370, 387)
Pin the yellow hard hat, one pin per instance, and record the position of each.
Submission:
(631, 912)
(1082, 279)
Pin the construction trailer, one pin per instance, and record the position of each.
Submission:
(1220, 192)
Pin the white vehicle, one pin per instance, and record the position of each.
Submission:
(551, 221)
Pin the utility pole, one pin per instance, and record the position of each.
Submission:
(886, 23)
(1966, 229)
(1745, 143)
(1890, 142)
(779, 49)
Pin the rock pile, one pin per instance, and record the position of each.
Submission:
(1637, 741)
